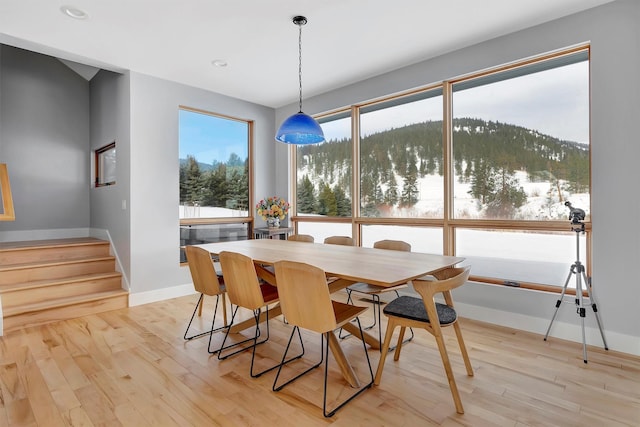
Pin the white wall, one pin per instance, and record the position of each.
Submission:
(614, 34)
(154, 175)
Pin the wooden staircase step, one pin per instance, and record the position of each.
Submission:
(41, 290)
(49, 280)
(63, 308)
(51, 250)
(28, 272)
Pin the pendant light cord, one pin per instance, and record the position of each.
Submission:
(300, 63)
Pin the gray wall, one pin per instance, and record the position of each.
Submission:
(614, 33)
(154, 173)
(52, 120)
(44, 134)
(110, 121)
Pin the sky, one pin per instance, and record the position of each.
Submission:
(554, 102)
(210, 138)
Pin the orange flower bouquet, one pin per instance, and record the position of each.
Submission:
(273, 210)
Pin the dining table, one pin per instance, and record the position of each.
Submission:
(343, 265)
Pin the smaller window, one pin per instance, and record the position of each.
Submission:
(106, 165)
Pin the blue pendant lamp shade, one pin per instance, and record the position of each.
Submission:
(300, 128)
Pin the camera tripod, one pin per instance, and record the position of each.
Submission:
(578, 269)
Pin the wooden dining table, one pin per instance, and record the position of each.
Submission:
(343, 265)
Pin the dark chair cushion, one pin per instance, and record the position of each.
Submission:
(413, 308)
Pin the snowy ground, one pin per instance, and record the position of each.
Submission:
(533, 257)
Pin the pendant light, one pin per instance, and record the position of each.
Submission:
(300, 128)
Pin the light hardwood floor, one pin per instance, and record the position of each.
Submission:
(131, 367)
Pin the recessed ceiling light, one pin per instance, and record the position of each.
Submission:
(74, 12)
(219, 63)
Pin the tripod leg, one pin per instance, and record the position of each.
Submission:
(584, 340)
(559, 301)
(580, 310)
(592, 301)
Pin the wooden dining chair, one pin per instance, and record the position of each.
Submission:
(375, 291)
(339, 240)
(245, 290)
(306, 303)
(206, 281)
(301, 238)
(425, 313)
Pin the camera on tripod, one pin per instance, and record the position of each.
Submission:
(576, 215)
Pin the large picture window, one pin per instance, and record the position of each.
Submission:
(214, 166)
(479, 166)
(324, 171)
(521, 141)
(215, 178)
(401, 169)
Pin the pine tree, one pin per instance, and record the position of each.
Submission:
(327, 202)
(509, 195)
(194, 182)
(391, 196)
(482, 183)
(410, 191)
(343, 203)
(306, 196)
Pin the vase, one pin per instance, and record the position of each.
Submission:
(273, 222)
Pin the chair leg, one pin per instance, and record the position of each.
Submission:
(384, 350)
(366, 328)
(447, 368)
(277, 387)
(198, 308)
(222, 346)
(256, 316)
(396, 354)
(463, 349)
(326, 375)
(253, 355)
(375, 301)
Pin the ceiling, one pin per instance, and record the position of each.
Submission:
(344, 41)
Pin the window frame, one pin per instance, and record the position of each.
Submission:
(449, 224)
(100, 155)
(249, 218)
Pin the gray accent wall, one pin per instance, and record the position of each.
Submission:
(44, 134)
(614, 33)
(110, 122)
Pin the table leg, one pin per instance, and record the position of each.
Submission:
(346, 368)
(368, 338)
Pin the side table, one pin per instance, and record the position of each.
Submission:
(272, 233)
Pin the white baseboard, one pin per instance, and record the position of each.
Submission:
(562, 330)
(160, 294)
(99, 233)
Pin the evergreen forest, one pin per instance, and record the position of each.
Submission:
(486, 155)
(219, 184)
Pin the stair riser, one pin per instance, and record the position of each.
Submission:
(56, 271)
(62, 290)
(43, 254)
(63, 313)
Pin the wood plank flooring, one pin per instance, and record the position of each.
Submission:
(131, 367)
